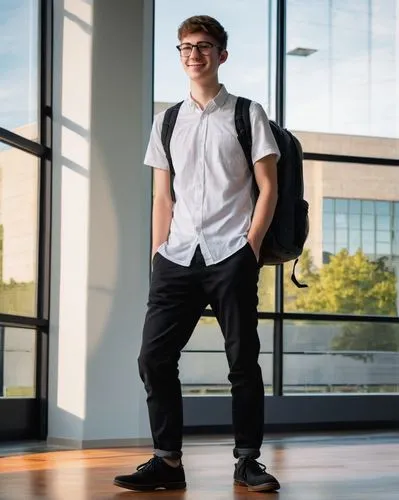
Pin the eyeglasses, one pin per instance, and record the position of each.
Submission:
(205, 48)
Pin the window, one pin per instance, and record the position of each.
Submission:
(250, 72)
(250, 68)
(19, 176)
(19, 73)
(17, 363)
(340, 83)
(352, 248)
(373, 231)
(336, 357)
(24, 219)
(345, 82)
(203, 365)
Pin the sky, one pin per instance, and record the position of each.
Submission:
(18, 62)
(350, 85)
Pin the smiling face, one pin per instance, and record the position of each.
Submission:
(202, 68)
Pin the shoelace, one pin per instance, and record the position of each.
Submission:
(262, 467)
(150, 465)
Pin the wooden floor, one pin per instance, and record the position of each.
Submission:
(333, 467)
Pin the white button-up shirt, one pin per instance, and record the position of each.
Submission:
(213, 184)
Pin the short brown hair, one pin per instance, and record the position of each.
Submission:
(207, 24)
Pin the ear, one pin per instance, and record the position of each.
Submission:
(223, 56)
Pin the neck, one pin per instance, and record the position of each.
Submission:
(203, 93)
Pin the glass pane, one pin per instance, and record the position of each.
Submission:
(354, 221)
(17, 362)
(328, 205)
(395, 246)
(383, 222)
(328, 221)
(368, 242)
(341, 236)
(368, 207)
(253, 58)
(382, 207)
(203, 365)
(368, 222)
(355, 243)
(328, 250)
(342, 81)
(355, 206)
(328, 236)
(341, 357)
(18, 232)
(341, 221)
(266, 289)
(383, 236)
(330, 269)
(19, 67)
(342, 206)
(383, 249)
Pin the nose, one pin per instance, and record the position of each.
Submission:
(197, 54)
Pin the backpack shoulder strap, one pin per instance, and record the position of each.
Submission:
(243, 128)
(168, 125)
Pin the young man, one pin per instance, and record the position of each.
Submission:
(205, 251)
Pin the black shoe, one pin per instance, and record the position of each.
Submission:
(153, 475)
(249, 472)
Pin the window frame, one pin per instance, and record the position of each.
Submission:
(22, 418)
(279, 316)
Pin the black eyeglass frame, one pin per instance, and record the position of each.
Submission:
(211, 46)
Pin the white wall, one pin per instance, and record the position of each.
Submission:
(101, 220)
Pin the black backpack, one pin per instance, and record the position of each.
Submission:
(289, 228)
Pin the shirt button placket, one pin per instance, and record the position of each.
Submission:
(204, 127)
(198, 177)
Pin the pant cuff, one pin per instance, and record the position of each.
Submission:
(168, 454)
(246, 452)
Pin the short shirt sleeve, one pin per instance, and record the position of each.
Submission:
(263, 141)
(155, 154)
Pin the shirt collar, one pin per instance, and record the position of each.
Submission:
(216, 102)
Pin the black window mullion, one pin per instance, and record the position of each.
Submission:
(278, 336)
(19, 142)
(44, 244)
(1, 361)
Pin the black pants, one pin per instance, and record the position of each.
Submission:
(177, 298)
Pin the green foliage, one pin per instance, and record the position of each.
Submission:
(18, 298)
(15, 298)
(350, 284)
(367, 337)
(267, 277)
(306, 273)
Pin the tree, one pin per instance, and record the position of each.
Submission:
(18, 298)
(307, 273)
(350, 284)
(367, 337)
(15, 298)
